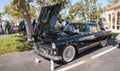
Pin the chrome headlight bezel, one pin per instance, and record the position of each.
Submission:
(53, 45)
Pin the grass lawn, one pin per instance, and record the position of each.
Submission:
(13, 43)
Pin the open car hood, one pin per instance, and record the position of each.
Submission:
(48, 17)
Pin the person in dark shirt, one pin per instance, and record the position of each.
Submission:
(101, 24)
(22, 27)
(7, 27)
(34, 24)
(68, 21)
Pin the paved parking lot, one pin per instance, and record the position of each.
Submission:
(95, 59)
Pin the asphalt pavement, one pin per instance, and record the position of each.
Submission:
(25, 61)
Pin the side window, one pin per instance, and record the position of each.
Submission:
(84, 28)
(76, 28)
(70, 27)
(94, 29)
(98, 28)
(80, 28)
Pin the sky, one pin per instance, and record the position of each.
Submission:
(3, 3)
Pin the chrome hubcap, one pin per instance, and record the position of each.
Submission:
(69, 53)
(104, 42)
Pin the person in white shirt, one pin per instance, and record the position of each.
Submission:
(3, 26)
(0, 28)
(63, 22)
(68, 21)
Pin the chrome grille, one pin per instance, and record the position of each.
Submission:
(45, 48)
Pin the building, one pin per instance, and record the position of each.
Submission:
(113, 17)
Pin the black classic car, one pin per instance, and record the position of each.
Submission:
(73, 39)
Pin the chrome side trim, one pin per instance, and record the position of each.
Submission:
(92, 45)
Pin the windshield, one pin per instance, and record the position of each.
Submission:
(77, 28)
(69, 27)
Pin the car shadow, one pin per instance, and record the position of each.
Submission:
(86, 52)
(111, 42)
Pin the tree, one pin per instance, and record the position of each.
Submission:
(26, 17)
(1, 15)
(20, 8)
(64, 3)
(13, 10)
(77, 10)
(87, 10)
(90, 8)
(59, 16)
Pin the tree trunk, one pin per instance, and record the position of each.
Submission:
(27, 19)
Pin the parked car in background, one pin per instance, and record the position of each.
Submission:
(65, 44)
(118, 39)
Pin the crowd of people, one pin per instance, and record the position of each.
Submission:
(22, 27)
(6, 27)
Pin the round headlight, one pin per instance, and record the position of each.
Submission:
(53, 46)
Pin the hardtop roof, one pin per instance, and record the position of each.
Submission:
(87, 23)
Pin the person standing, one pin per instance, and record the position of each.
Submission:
(11, 27)
(67, 23)
(34, 24)
(63, 22)
(101, 24)
(22, 28)
(0, 28)
(3, 27)
(7, 27)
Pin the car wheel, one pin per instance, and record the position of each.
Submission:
(68, 54)
(104, 43)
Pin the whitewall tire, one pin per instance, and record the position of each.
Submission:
(68, 54)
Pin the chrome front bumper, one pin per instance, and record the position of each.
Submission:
(46, 53)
